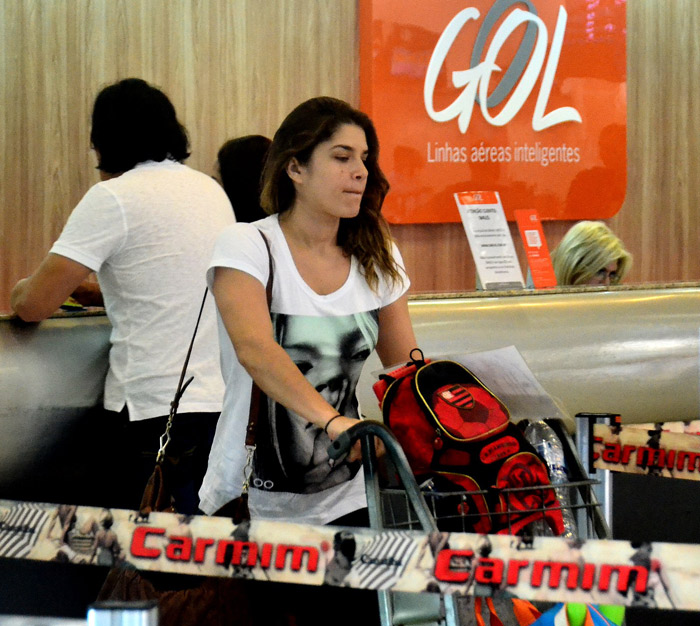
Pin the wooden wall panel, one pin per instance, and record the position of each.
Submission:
(660, 221)
(230, 68)
(237, 67)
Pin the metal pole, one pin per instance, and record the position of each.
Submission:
(584, 446)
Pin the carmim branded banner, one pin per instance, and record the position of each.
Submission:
(652, 450)
(523, 97)
(541, 568)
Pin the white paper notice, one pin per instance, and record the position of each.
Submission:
(507, 375)
(489, 239)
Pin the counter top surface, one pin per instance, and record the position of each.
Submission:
(465, 295)
(550, 292)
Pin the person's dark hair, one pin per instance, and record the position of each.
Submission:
(240, 165)
(133, 122)
(365, 236)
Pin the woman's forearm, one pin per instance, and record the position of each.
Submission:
(277, 375)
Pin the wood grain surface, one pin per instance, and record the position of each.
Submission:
(237, 67)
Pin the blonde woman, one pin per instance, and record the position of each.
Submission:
(590, 254)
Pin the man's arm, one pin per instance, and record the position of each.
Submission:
(88, 293)
(37, 297)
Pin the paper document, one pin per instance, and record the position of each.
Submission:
(490, 241)
(507, 375)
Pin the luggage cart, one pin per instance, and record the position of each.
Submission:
(404, 505)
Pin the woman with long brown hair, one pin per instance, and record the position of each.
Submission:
(338, 292)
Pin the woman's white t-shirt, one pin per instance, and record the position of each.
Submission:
(329, 337)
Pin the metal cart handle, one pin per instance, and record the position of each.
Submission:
(366, 431)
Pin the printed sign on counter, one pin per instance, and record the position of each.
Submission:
(489, 239)
(536, 248)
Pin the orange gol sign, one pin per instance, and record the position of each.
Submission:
(523, 97)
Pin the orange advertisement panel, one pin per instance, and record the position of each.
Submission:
(525, 97)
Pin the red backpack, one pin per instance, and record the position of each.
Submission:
(458, 434)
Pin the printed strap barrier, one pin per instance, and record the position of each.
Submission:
(551, 569)
(653, 451)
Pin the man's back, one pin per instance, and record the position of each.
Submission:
(148, 234)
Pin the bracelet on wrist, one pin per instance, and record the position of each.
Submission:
(328, 423)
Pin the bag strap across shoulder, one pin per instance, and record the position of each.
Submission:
(165, 437)
(256, 395)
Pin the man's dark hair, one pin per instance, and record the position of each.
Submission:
(133, 122)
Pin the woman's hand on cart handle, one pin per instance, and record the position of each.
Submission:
(338, 430)
(336, 426)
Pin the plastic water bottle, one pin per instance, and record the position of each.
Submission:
(548, 445)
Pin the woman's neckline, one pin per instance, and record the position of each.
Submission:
(290, 257)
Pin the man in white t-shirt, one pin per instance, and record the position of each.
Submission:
(147, 230)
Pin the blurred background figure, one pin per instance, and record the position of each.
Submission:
(240, 162)
(590, 254)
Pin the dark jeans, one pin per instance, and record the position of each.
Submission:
(186, 457)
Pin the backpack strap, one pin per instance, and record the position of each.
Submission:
(418, 362)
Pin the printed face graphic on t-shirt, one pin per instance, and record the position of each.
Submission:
(330, 352)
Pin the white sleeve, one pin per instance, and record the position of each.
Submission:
(393, 291)
(240, 247)
(95, 230)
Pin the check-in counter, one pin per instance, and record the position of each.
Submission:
(628, 350)
(51, 381)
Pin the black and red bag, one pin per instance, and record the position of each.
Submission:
(458, 434)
